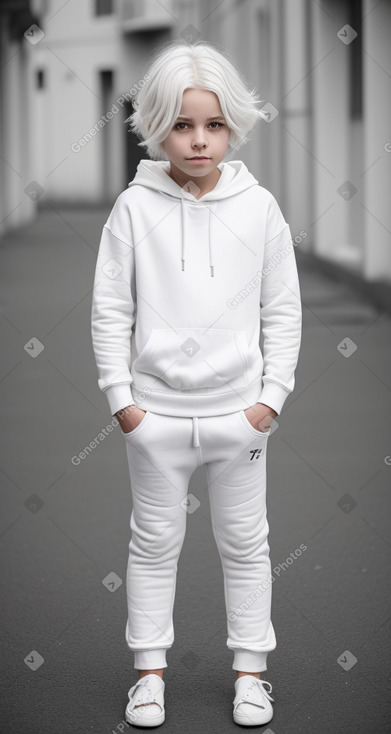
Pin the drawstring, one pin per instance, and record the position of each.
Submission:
(196, 438)
(183, 235)
(184, 240)
(212, 267)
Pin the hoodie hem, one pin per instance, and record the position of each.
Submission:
(182, 405)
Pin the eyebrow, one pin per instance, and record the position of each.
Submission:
(183, 117)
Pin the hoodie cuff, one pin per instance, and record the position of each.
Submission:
(273, 395)
(119, 397)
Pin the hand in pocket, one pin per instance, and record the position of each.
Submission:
(260, 416)
(129, 418)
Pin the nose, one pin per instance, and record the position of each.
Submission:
(199, 137)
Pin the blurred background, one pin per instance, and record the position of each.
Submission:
(69, 70)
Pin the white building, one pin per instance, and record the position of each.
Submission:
(17, 198)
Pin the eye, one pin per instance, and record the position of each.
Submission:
(215, 122)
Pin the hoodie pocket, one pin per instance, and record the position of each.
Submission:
(194, 358)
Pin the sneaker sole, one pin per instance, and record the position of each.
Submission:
(256, 720)
(146, 722)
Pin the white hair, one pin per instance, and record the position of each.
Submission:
(182, 66)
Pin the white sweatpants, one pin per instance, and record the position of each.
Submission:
(163, 452)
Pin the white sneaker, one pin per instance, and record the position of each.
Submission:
(252, 701)
(148, 690)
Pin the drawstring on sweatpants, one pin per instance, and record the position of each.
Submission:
(196, 441)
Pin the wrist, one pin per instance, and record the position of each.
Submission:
(272, 412)
(124, 412)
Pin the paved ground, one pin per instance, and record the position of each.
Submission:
(64, 528)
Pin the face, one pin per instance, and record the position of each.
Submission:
(197, 135)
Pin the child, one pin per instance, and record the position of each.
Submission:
(195, 266)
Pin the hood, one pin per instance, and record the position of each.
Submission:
(234, 179)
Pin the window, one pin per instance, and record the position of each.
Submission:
(103, 7)
(355, 60)
(40, 79)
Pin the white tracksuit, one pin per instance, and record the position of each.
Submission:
(196, 316)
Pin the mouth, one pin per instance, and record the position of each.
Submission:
(198, 158)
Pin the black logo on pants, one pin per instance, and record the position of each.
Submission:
(255, 453)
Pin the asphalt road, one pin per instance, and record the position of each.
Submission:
(64, 527)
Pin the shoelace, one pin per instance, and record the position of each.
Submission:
(262, 683)
(141, 684)
(267, 693)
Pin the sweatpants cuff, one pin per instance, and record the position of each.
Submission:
(249, 661)
(150, 659)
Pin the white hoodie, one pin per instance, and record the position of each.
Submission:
(196, 304)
